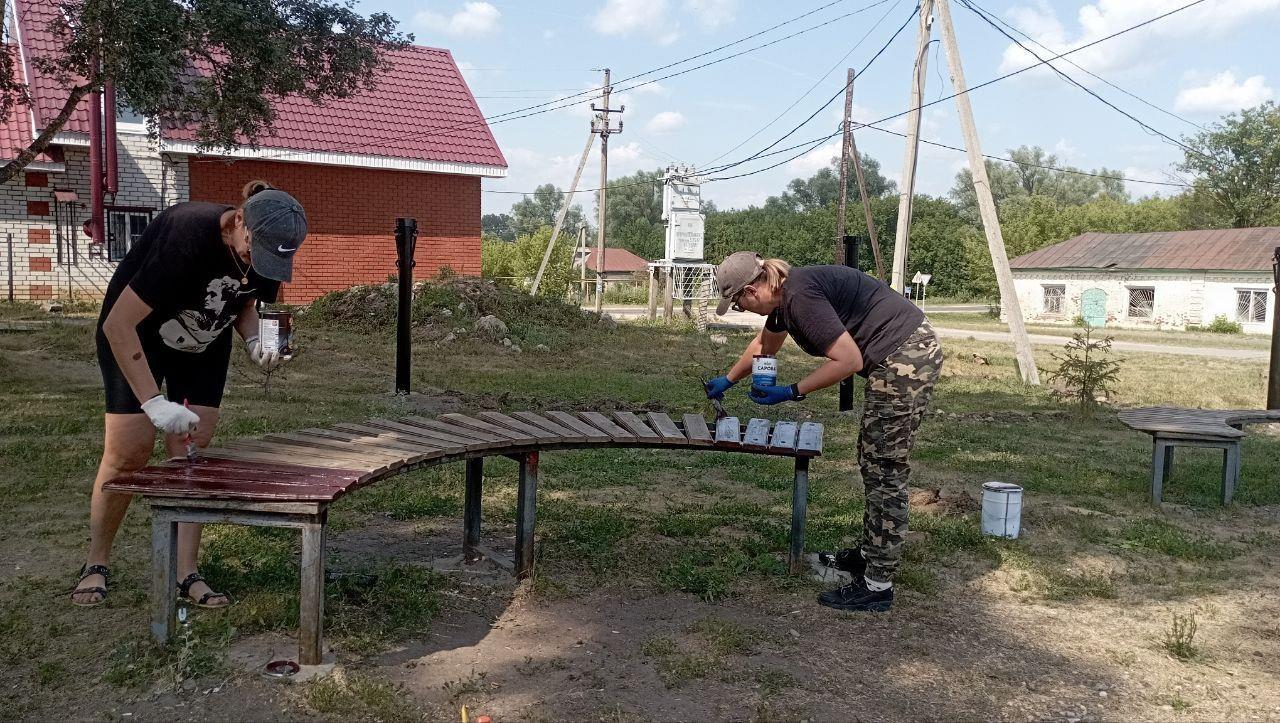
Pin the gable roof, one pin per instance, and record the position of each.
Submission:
(616, 261)
(1235, 249)
(420, 110)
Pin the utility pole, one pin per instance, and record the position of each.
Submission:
(850, 153)
(905, 201)
(844, 168)
(1273, 378)
(986, 204)
(582, 258)
(564, 210)
(603, 126)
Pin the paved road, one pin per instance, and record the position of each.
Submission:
(747, 320)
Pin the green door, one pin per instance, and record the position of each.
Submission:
(1093, 307)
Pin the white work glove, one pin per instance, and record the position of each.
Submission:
(268, 360)
(170, 416)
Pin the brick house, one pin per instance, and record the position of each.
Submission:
(355, 164)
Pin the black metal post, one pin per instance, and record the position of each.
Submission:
(406, 243)
(1273, 377)
(851, 244)
(9, 245)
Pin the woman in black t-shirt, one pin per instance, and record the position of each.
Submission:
(197, 271)
(862, 327)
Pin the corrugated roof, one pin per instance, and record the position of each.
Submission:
(617, 261)
(15, 131)
(421, 108)
(1236, 249)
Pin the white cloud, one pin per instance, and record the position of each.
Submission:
(815, 160)
(475, 18)
(548, 34)
(625, 17)
(712, 13)
(1224, 94)
(650, 89)
(1101, 18)
(665, 122)
(1145, 189)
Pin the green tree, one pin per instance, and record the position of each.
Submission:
(516, 262)
(823, 187)
(498, 225)
(532, 212)
(1237, 170)
(1033, 173)
(215, 65)
(633, 219)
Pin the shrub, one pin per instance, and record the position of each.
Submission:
(1085, 370)
(1222, 325)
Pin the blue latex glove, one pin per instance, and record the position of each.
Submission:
(718, 386)
(773, 394)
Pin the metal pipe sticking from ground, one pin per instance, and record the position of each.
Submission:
(1273, 375)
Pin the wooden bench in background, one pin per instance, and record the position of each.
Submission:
(291, 479)
(1172, 427)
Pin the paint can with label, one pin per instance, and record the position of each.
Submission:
(764, 370)
(275, 332)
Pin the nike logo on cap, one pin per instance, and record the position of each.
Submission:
(284, 250)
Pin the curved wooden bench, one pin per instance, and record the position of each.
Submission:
(290, 479)
(1172, 427)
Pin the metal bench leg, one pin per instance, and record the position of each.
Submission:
(525, 514)
(164, 574)
(1168, 460)
(799, 511)
(1160, 462)
(1230, 471)
(471, 509)
(311, 608)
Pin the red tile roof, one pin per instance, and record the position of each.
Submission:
(617, 261)
(1236, 249)
(15, 131)
(421, 108)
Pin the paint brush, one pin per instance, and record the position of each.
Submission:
(191, 443)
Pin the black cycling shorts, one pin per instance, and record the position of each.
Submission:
(194, 378)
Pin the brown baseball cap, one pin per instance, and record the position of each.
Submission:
(733, 274)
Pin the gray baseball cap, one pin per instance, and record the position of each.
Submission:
(278, 226)
(735, 272)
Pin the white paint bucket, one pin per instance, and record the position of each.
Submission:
(1001, 509)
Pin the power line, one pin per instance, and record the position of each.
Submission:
(810, 148)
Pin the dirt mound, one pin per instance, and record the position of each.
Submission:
(942, 502)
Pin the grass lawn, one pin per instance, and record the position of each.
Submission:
(661, 591)
(985, 322)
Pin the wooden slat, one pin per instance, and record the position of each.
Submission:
(606, 425)
(245, 455)
(302, 453)
(387, 440)
(364, 446)
(237, 466)
(636, 426)
(784, 436)
(453, 430)
(559, 430)
(695, 428)
(447, 442)
(810, 439)
(199, 471)
(586, 430)
(728, 432)
(757, 434)
(225, 489)
(462, 420)
(666, 427)
(507, 422)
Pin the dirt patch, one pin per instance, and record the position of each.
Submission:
(942, 501)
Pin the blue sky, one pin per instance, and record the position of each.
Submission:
(1201, 63)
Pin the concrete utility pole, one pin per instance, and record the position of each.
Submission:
(582, 258)
(844, 168)
(986, 204)
(1273, 378)
(605, 129)
(902, 238)
(564, 211)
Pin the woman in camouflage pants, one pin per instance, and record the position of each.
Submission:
(862, 327)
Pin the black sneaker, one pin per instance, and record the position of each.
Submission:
(848, 560)
(856, 597)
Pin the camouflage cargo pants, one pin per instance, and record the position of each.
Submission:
(897, 395)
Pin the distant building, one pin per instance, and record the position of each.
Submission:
(620, 265)
(1165, 280)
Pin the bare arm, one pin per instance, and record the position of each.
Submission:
(843, 358)
(247, 321)
(766, 342)
(121, 330)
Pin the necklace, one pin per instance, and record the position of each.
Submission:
(244, 272)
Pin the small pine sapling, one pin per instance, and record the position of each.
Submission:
(1085, 369)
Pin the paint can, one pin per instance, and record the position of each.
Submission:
(764, 370)
(275, 332)
(1001, 509)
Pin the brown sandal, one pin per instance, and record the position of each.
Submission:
(101, 592)
(184, 591)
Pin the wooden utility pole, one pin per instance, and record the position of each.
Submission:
(1273, 374)
(850, 152)
(986, 204)
(582, 258)
(564, 211)
(604, 127)
(844, 168)
(905, 201)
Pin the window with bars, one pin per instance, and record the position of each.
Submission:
(1251, 306)
(1055, 298)
(1142, 302)
(124, 228)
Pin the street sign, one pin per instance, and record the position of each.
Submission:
(922, 279)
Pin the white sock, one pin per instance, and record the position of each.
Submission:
(874, 586)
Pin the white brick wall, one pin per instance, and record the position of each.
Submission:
(146, 180)
(1181, 297)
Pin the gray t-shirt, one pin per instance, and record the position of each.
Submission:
(819, 303)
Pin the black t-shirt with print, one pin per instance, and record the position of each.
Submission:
(819, 303)
(181, 268)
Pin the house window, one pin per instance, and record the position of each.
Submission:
(124, 228)
(1055, 298)
(1142, 303)
(1251, 306)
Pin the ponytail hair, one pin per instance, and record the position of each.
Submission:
(773, 272)
(255, 187)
